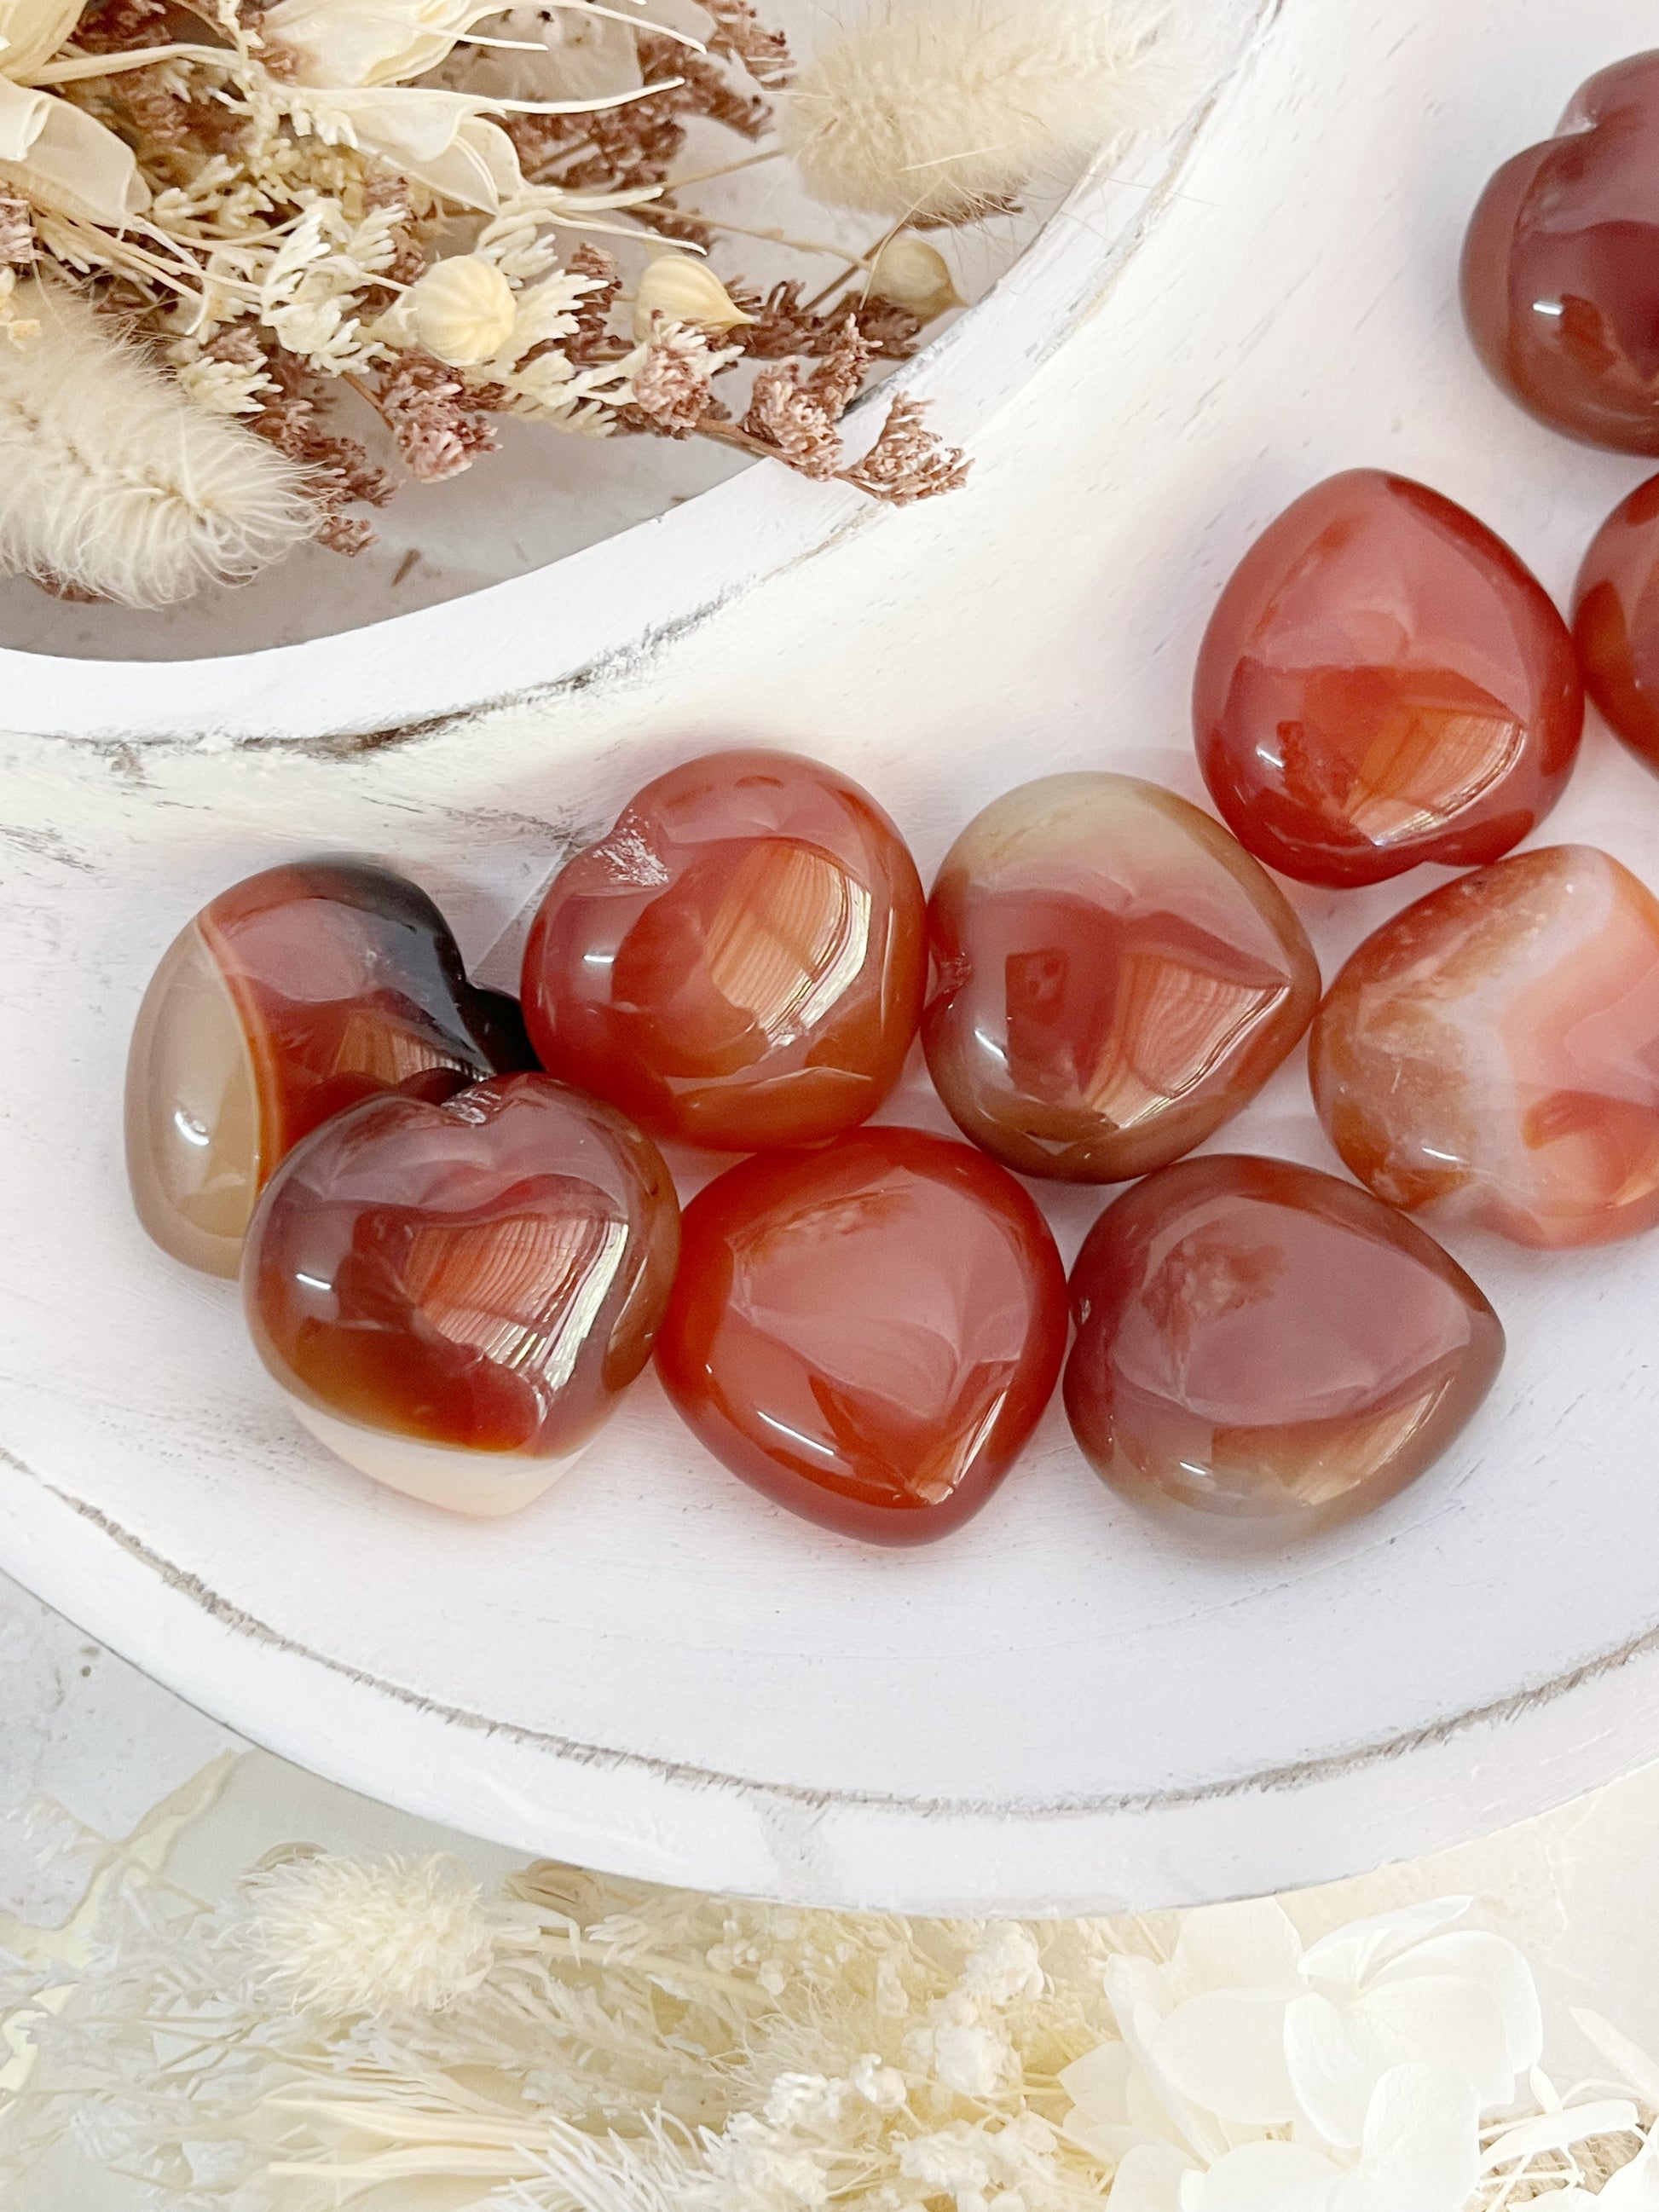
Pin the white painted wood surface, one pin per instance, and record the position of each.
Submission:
(652, 1670)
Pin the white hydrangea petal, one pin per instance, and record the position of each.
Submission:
(1226, 2051)
(1633, 2188)
(1268, 2177)
(1334, 2057)
(1135, 1987)
(1500, 1969)
(1098, 2083)
(1349, 1955)
(1149, 2179)
(1249, 1946)
(1107, 2141)
(1442, 2021)
(1422, 2141)
(1608, 2116)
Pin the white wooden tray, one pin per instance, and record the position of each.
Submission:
(1063, 1708)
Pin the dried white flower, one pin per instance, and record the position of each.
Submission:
(333, 1935)
(113, 483)
(462, 310)
(915, 276)
(15, 327)
(683, 290)
(938, 108)
(1252, 2071)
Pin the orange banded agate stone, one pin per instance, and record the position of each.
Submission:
(1381, 683)
(741, 962)
(1114, 977)
(867, 1334)
(454, 1294)
(291, 996)
(1561, 266)
(1258, 1341)
(1616, 621)
(1490, 1055)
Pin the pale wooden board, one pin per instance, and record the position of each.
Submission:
(653, 1670)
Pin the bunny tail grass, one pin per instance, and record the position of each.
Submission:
(937, 110)
(116, 486)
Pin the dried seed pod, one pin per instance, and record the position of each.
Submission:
(462, 310)
(915, 276)
(683, 290)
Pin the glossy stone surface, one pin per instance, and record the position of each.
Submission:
(1114, 976)
(741, 962)
(289, 997)
(454, 1294)
(1258, 1341)
(1616, 620)
(1490, 1055)
(868, 1333)
(1561, 266)
(1381, 683)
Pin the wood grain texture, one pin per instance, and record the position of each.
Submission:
(1065, 1708)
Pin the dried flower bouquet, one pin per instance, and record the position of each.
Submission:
(382, 2035)
(445, 212)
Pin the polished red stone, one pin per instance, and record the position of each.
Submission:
(454, 1293)
(868, 1333)
(1114, 977)
(1616, 620)
(1258, 1341)
(1490, 1055)
(741, 962)
(289, 997)
(1382, 684)
(1561, 266)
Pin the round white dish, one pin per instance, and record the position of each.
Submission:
(1063, 1708)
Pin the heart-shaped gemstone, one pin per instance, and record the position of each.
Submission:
(454, 1294)
(1382, 682)
(291, 996)
(740, 961)
(869, 1333)
(1115, 976)
(1260, 1342)
(1616, 620)
(1561, 266)
(1490, 1055)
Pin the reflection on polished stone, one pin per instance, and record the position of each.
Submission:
(1561, 266)
(1114, 977)
(1382, 682)
(1492, 1054)
(1261, 1342)
(289, 997)
(453, 1293)
(869, 1333)
(740, 961)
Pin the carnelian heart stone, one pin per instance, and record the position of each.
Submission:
(1381, 683)
(868, 1333)
(1114, 977)
(290, 996)
(741, 962)
(454, 1294)
(1616, 620)
(1260, 1340)
(1492, 1054)
(1561, 266)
